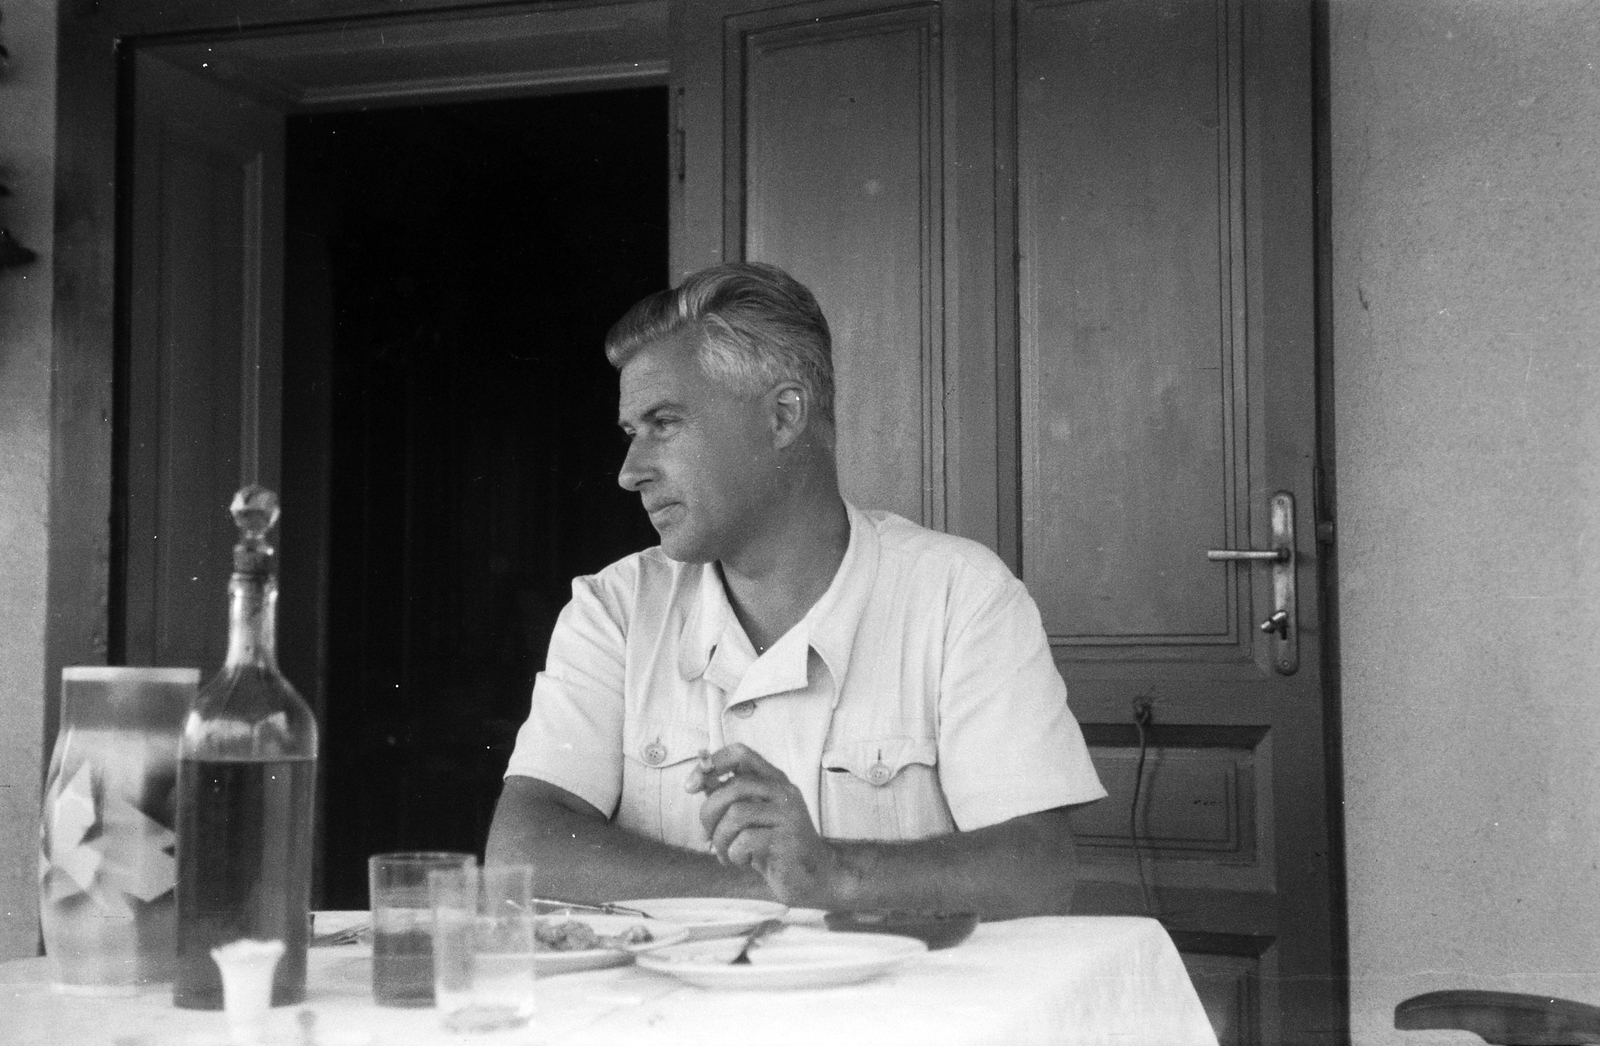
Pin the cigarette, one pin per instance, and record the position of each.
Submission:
(705, 767)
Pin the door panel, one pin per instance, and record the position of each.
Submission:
(1116, 217)
(840, 117)
(203, 377)
(1133, 359)
(1229, 989)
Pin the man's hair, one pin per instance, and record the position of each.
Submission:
(758, 326)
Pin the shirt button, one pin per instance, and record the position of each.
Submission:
(744, 709)
(879, 774)
(654, 753)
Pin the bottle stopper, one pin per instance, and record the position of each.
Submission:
(255, 511)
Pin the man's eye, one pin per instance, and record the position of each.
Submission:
(656, 426)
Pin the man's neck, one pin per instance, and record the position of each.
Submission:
(770, 590)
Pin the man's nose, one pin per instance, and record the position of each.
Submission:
(635, 471)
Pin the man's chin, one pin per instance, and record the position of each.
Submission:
(685, 555)
(681, 547)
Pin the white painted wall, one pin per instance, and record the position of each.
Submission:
(27, 167)
(1466, 291)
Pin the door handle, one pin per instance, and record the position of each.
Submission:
(1283, 625)
(1277, 624)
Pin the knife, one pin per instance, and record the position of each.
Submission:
(551, 905)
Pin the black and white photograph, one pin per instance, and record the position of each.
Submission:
(789, 522)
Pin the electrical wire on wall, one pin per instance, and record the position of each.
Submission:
(1143, 713)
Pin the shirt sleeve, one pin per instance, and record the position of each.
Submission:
(573, 735)
(1008, 744)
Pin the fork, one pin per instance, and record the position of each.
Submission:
(758, 931)
(349, 935)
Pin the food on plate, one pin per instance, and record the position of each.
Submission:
(575, 935)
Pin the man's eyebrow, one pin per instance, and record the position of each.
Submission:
(650, 412)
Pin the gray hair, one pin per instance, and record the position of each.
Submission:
(759, 326)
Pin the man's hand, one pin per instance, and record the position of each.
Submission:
(757, 818)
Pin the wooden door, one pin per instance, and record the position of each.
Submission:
(201, 408)
(1066, 251)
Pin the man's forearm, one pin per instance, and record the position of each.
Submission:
(579, 856)
(1025, 866)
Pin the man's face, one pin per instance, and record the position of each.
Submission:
(700, 456)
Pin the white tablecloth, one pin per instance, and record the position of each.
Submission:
(1079, 980)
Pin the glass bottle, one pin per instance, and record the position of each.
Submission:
(247, 766)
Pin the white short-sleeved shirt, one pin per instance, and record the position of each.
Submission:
(917, 697)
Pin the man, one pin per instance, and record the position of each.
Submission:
(789, 697)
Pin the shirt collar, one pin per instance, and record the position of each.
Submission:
(713, 644)
(830, 625)
(709, 626)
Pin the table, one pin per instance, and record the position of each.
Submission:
(1100, 980)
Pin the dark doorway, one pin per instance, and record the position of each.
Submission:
(452, 270)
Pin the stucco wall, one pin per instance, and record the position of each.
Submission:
(27, 166)
(1466, 291)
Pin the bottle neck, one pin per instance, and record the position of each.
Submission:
(252, 621)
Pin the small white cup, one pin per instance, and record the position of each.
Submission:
(247, 968)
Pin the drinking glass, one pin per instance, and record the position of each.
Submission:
(402, 923)
(483, 946)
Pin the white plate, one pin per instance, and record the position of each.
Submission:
(280, 1036)
(706, 917)
(545, 963)
(662, 934)
(796, 958)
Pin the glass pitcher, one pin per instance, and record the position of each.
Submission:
(106, 865)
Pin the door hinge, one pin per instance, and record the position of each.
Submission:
(1321, 511)
(677, 145)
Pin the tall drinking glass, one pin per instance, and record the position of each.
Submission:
(402, 924)
(483, 946)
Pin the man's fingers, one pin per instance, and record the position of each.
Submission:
(714, 769)
(702, 778)
(748, 799)
(738, 822)
(751, 848)
(738, 790)
(746, 760)
(735, 808)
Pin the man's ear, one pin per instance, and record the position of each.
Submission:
(791, 414)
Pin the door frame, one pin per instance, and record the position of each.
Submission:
(280, 52)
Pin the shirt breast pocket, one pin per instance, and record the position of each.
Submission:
(883, 788)
(657, 757)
